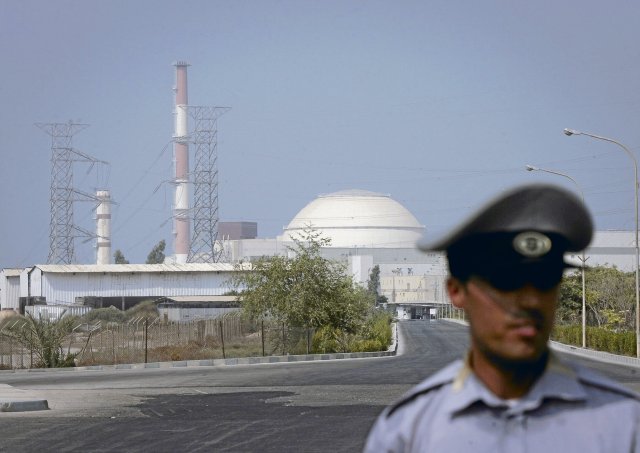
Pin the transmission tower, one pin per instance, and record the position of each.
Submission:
(62, 230)
(205, 185)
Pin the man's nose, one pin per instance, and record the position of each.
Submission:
(529, 297)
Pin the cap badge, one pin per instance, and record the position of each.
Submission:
(532, 244)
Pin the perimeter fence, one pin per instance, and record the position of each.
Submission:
(145, 340)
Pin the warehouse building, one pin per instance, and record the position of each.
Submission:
(119, 285)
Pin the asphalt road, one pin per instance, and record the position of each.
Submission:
(303, 407)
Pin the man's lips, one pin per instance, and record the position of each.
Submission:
(526, 329)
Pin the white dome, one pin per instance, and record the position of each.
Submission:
(358, 218)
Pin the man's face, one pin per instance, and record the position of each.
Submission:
(510, 327)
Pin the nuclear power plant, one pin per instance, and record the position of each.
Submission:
(365, 229)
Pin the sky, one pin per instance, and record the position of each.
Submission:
(438, 104)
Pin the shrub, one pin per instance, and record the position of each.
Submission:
(374, 335)
(366, 346)
(106, 315)
(378, 328)
(326, 340)
(145, 309)
(598, 338)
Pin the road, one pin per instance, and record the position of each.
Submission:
(285, 407)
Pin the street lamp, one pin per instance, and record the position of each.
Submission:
(571, 132)
(582, 259)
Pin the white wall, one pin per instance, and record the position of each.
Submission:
(414, 288)
(360, 267)
(9, 288)
(63, 288)
(178, 314)
(612, 248)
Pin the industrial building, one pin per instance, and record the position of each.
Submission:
(365, 229)
(118, 285)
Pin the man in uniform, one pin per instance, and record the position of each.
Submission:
(511, 393)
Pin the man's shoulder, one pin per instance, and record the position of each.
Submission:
(593, 380)
(431, 384)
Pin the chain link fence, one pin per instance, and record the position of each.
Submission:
(146, 340)
(13, 355)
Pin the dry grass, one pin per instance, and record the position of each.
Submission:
(247, 346)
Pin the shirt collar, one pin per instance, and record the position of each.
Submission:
(557, 382)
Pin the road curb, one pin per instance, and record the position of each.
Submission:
(24, 406)
(215, 362)
(234, 361)
(17, 400)
(596, 355)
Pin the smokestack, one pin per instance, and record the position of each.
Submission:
(182, 238)
(103, 227)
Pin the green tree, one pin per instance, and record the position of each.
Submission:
(303, 289)
(156, 255)
(610, 298)
(373, 285)
(570, 306)
(118, 258)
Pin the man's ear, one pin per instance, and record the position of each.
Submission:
(457, 292)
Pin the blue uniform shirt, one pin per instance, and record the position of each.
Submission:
(569, 409)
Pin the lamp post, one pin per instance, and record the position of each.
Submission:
(571, 132)
(582, 258)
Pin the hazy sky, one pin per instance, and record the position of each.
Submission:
(438, 103)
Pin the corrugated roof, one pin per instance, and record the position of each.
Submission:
(12, 272)
(186, 299)
(137, 268)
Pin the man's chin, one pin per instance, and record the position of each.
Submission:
(521, 358)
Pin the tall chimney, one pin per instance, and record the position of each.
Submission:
(103, 227)
(181, 155)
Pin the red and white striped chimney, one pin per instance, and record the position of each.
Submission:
(182, 224)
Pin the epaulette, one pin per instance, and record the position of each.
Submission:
(594, 379)
(434, 382)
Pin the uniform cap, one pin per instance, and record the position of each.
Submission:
(536, 208)
(520, 236)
